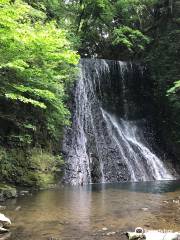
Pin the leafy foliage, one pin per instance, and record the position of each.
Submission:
(37, 168)
(105, 26)
(163, 59)
(174, 89)
(37, 62)
(131, 39)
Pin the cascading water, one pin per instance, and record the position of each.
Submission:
(142, 163)
(107, 140)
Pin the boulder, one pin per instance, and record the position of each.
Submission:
(4, 221)
(153, 235)
(135, 236)
(3, 230)
(6, 192)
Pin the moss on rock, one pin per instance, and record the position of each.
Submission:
(33, 168)
(7, 191)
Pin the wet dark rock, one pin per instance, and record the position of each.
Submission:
(3, 230)
(6, 192)
(5, 223)
(23, 192)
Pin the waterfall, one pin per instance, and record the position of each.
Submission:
(142, 163)
(108, 140)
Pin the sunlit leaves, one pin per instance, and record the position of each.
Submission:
(131, 39)
(174, 89)
(23, 99)
(36, 63)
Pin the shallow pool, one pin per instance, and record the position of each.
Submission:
(98, 211)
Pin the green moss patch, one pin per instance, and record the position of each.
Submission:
(33, 168)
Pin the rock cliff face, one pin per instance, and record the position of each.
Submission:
(110, 140)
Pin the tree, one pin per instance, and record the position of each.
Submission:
(37, 62)
(110, 25)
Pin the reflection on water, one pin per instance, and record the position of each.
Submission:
(147, 187)
(82, 212)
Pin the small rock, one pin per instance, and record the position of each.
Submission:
(145, 209)
(146, 225)
(4, 221)
(24, 192)
(104, 229)
(17, 208)
(110, 233)
(7, 192)
(165, 201)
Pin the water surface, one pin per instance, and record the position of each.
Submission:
(83, 212)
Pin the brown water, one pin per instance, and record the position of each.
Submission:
(83, 212)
